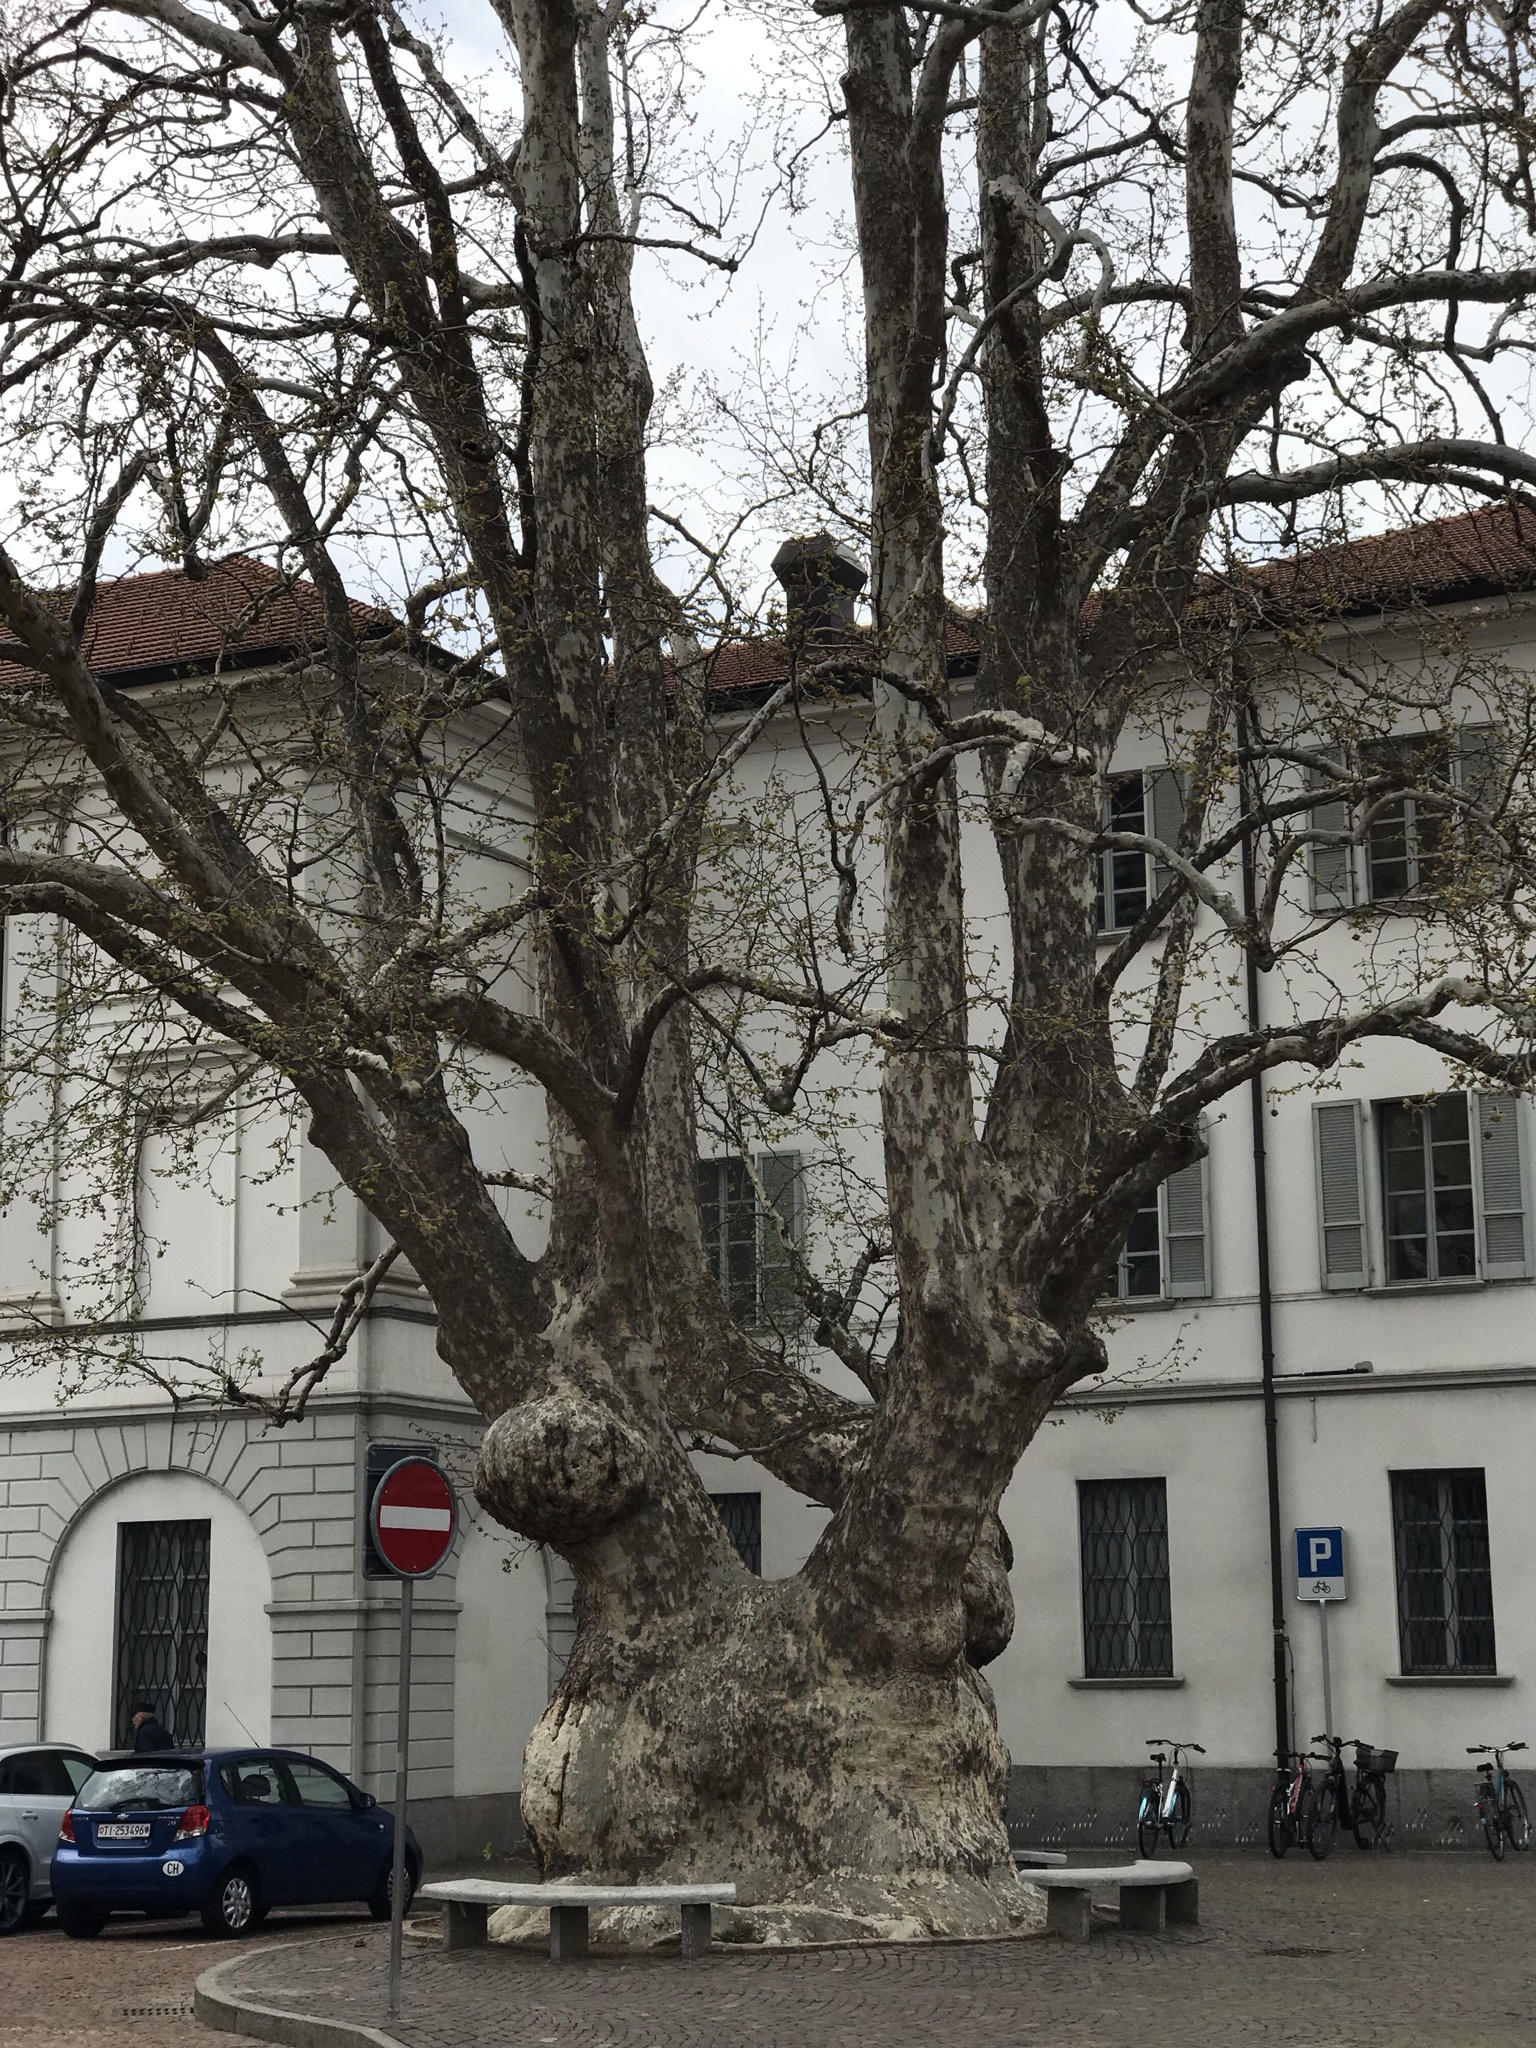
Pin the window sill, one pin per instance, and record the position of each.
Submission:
(1145, 1304)
(1386, 1289)
(1452, 1678)
(1137, 1684)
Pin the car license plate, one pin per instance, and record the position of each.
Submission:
(122, 1831)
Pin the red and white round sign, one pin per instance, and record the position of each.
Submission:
(414, 1516)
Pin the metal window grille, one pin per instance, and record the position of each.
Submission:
(162, 1627)
(1426, 1174)
(742, 1514)
(1444, 1575)
(1127, 1609)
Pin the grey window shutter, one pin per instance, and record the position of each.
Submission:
(1496, 1119)
(1166, 792)
(1186, 1246)
(1478, 764)
(778, 1296)
(1332, 867)
(1340, 1195)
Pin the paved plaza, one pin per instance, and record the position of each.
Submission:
(1405, 1951)
(1408, 1951)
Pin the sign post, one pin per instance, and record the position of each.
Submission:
(1320, 1577)
(413, 1520)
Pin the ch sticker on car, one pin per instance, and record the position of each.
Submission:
(173, 1868)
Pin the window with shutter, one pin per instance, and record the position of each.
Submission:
(1121, 879)
(1340, 1194)
(1186, 1264)
(747, 1248)
(779, 1306)
(1332, 866)
(1407, 837)
(1429, 1208)
(1166, 1256)
(1501, 1186)
(1166, 794)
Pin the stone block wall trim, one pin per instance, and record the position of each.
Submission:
(377, 1409)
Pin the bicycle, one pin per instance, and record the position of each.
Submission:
(1364, 1809)
(1165, 1802)
(1290, 1804)
(1500, 1802)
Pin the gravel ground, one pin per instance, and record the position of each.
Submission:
(132, 1986)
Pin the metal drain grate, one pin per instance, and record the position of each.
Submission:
(161, 2009)
(1296, 1955)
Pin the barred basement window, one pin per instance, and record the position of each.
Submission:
(1444, 1574)
(1127, 1605)
(162, 1628)
(742, 1514)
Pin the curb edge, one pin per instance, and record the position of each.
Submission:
(219, 2006)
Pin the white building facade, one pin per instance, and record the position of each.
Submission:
(1363, 1355)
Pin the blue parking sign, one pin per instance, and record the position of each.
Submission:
(1320, 1564)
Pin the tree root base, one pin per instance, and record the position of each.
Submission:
(841, 1907)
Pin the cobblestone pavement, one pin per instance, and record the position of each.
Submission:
(131, 1987)
(1405, 1951)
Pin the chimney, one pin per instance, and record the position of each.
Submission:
(821, 579)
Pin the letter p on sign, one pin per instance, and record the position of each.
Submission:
(1320, 1564)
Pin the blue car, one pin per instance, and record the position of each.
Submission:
(225, 1833)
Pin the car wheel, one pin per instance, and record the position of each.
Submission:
(80, 1923)
(15, 1883)
(230, 1908)
(384, 1891)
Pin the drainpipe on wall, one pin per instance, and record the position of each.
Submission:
(1246, 737)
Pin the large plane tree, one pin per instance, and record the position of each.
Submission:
(1135, 284)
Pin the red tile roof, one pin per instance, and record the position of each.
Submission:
(1437, 561)
(239, 615)
(242, 614)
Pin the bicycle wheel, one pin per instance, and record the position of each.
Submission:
(1179, 1819)
(1323, 1821)
(1370, 1812)
(1493, 1823)
(1517, 1822)
(1148, 1820)
(1281, 1834)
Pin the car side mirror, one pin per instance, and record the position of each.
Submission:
(367, 1801)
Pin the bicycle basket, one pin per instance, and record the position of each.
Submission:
(1379, 1762)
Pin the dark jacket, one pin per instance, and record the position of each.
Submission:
(150, 1735)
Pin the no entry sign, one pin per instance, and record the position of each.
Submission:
(414, 1516)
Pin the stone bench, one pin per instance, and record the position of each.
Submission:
(468, 1903)
(1038, 1859)
(1151, 1895)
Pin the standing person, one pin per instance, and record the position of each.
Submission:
(148, 1734)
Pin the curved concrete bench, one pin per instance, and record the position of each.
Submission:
(1151, 1895)
(468, 1903)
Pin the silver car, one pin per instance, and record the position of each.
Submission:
(37, 1785)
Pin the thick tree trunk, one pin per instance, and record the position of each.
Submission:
(734, 1738)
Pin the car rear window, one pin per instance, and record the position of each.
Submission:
(39, 1776)
(141, 1788)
